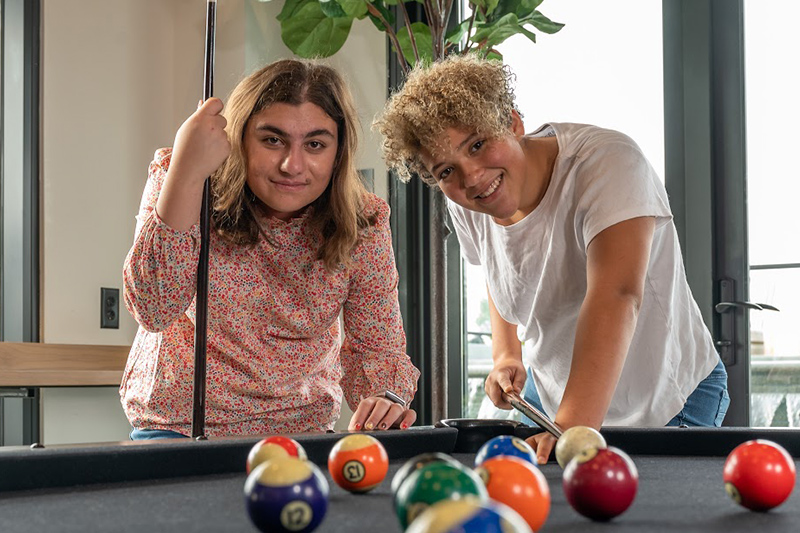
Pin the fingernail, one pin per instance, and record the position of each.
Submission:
(358, 426)
(383, 425)
(403, 426)
(369, 426)
(199, 104)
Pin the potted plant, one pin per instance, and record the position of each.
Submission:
(319, 28)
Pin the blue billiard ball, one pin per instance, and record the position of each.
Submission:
(506, 445)
(469, 515)
(286, 494)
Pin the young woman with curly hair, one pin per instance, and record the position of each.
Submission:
(574, 233)
(296, 240)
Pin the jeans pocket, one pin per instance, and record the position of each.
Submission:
(724, 402)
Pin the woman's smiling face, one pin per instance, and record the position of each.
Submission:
(291, 151)
(481, 173)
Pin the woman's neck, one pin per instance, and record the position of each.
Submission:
(540, 154)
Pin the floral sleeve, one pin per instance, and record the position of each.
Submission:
(373, 355)
(160, 271)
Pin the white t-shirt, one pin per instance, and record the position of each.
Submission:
(536, 273)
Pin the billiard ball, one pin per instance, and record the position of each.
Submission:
(286, 494)
(506, 445)
(435, 482)
(600, 483)
(759, 475)
(272, 447)
(468, 515)
(518, 484)
(575, 439)
(414, 464)
(358, 463)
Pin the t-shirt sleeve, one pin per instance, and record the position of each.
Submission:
(616, 182)
(466, 241)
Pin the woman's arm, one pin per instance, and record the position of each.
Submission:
(201, 146)
(508, 372)
(160, 270)
(373, 355)
(617, 260)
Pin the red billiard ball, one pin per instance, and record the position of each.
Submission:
(759, 475)
(271, 448)
(518, 484)
(600, 483)
(286, 494)
(358, 463)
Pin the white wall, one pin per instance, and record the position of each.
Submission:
(118, 78)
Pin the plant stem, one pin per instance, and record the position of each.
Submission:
(392, 36)
(402, 5)
(447, 10)
(469, 31)
(429, 15)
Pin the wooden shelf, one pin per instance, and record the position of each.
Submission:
(30, 364)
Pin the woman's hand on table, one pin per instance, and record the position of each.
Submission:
(543, 444)
(379, 412)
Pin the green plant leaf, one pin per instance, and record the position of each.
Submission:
(422, 35)
(331, 8)
(455, 35)
(488, 5)
(544, 24)
(309, 33)
(354, 8)
(527, 33)
(384, 11)
(289, 8)
(529, 6)
(494, 54)
(504, 7)
(498, 31)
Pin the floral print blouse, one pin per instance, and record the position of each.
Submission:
(279, 359)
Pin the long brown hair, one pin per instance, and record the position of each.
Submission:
(337, 214)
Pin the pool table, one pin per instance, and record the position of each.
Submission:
(185, 485)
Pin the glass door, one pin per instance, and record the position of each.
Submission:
(772, 83)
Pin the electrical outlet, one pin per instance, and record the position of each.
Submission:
(109, 308)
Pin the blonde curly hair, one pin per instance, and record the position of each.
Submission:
(461, 91)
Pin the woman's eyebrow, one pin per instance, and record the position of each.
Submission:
(458, 149)
(276, 130)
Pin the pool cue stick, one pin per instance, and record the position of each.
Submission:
(533, 413)
(201, 300)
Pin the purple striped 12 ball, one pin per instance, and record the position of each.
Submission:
(286, 494)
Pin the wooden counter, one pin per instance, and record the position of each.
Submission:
(30, 364)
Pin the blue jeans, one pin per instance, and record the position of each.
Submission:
(706, 406)
(150, 434)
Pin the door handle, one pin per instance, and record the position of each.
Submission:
(724, 307)
(727, 342)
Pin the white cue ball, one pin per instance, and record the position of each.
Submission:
(576, 439)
